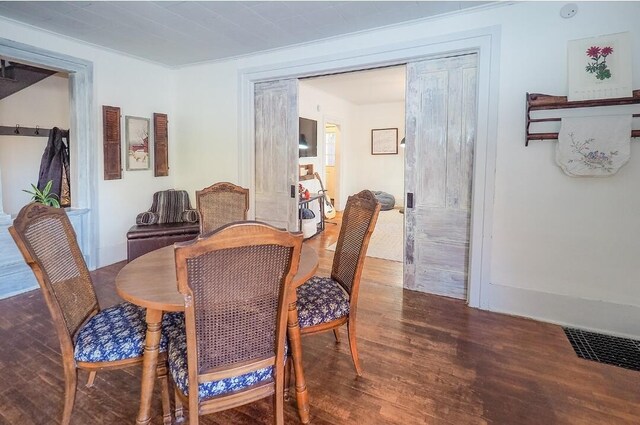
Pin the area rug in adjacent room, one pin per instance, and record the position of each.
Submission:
(387, 239)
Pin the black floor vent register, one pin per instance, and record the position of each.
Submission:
(607, 349)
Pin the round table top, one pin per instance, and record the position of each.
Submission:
(150, 280)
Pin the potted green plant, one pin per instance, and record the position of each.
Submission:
(44, 196)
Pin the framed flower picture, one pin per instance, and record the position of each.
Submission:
(600, 67)
(137, 143)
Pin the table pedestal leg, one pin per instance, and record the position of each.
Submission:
(293, 329)
(149, 364)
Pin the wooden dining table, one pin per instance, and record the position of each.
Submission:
(150, 281)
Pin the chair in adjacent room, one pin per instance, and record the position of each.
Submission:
(327, 303)
(221, 204)
(90, 338)
(236, 282)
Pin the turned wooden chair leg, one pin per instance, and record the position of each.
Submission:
(336, 333)
(91, 379)
(179, 411)
(351, 330)
(70, 383)
(278, 400)
(194, 417)
(163, 380)
(287, 377)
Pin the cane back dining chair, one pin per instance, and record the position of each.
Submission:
(236, 282)
(327, 303)
(220, 204)
(90, 338)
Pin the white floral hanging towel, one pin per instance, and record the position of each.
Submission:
(594, 146)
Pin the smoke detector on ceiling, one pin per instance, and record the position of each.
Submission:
(569, 10)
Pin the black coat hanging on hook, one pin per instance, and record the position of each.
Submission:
(54, 165)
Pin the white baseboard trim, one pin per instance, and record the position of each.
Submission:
(599, 316)
(15, 278)
(18, 292)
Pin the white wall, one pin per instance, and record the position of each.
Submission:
(139, 88)
(45, 104)
(207, 115)
(574, 241)
(375, 172)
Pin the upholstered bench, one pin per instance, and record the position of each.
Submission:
(143, 239)
(170, 219)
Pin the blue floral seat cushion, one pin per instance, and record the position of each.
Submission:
(118, 333)
(179, 372)
(321, 300)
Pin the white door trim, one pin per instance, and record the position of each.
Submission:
(84, 163)
(331, 119)
(484, 41)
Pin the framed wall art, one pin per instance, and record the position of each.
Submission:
(600, 67)
(384, 141)
(137, 143)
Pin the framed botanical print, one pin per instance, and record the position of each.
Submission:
(600, 67)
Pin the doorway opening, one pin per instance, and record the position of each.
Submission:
(331, 161)
(15, 275)
(485, 42)
(354, 114)
(32, 102)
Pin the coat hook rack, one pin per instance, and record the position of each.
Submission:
(540, 102)
(27, 131)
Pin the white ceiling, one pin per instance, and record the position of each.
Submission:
(380, 85)
(176, 33)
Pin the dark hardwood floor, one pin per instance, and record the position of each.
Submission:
(426, 360)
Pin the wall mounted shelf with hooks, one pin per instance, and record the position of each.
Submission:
(27, 131)
(545, 102)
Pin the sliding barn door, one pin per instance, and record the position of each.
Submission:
(276, 141)
(440, 138)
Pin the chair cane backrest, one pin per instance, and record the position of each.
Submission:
(221, 204)
(236, 281)
(358, 220)
(47, 241)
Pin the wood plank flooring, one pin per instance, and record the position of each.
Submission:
(426, 360)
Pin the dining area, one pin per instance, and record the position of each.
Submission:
(116, 345)
(223, 313)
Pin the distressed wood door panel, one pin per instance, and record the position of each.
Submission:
(276, 141)
(446, 225)
(441, 123)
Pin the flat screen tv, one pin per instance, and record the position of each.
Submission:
(308, 146)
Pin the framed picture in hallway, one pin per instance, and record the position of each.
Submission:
(137, 143)
(384, 141)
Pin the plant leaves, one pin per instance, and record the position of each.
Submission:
(45, 196)
(47, 188)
